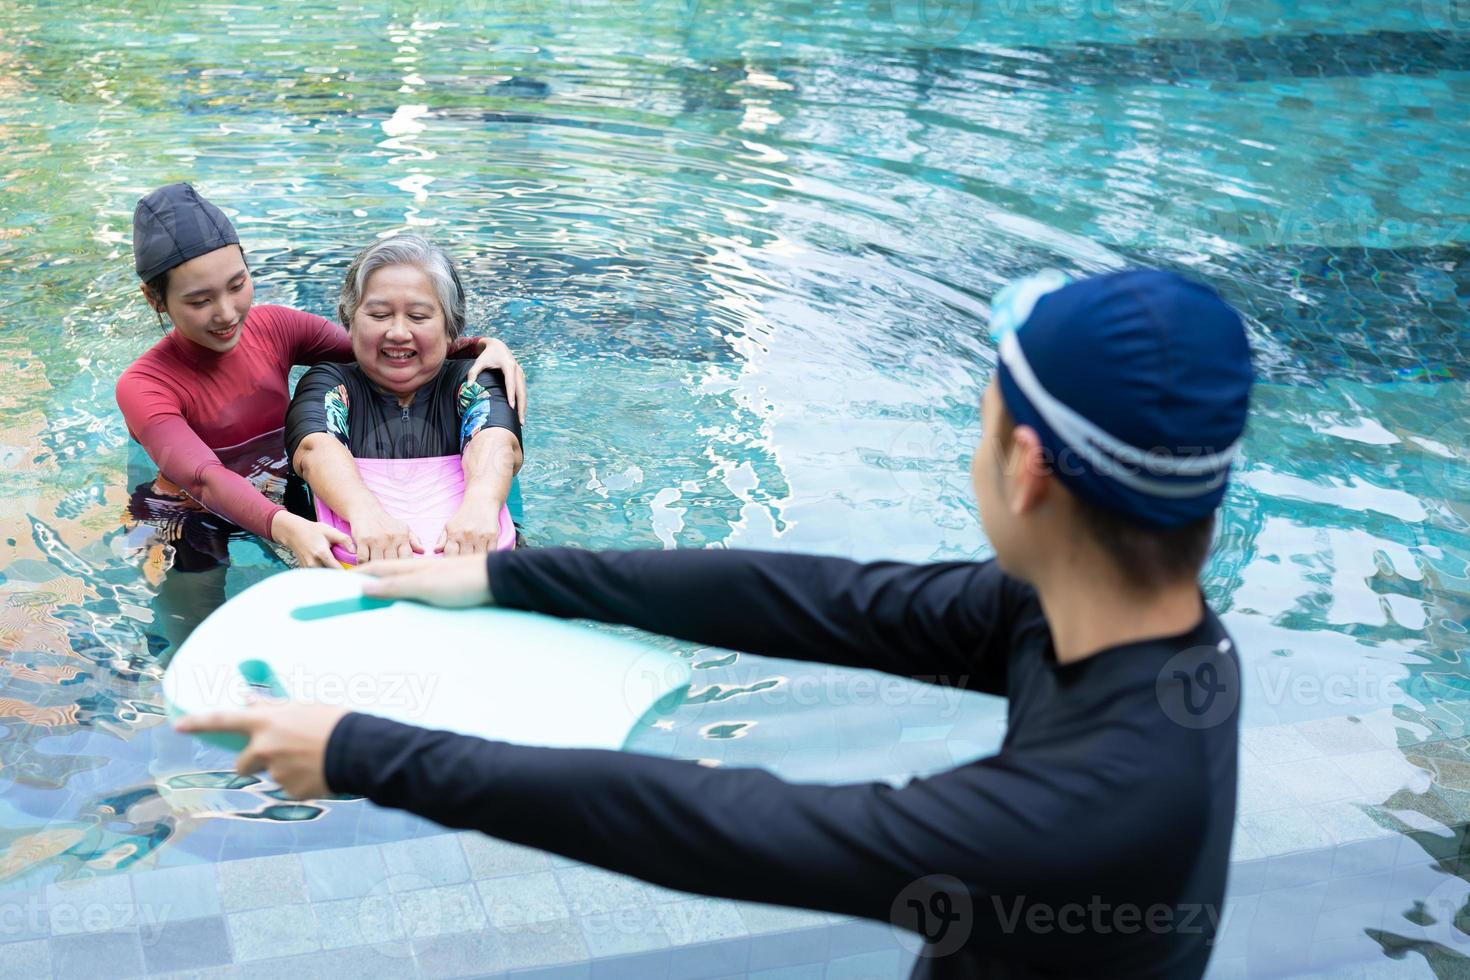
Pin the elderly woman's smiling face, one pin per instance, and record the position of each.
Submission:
(399, 333)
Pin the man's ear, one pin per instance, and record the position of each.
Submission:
(1030, 478)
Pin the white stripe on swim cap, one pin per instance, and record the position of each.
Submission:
(1104, 452)
(1012, 306)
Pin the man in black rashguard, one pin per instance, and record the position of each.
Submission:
(1095, 841)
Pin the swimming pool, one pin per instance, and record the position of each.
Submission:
(745, 251)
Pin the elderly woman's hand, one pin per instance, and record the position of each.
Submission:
(380, 535)
(494, 355)
(473, 530)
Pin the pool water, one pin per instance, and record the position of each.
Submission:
(745, 250)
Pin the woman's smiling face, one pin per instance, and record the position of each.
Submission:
(399, 333)
(208, 297)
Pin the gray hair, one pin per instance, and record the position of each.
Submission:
(405, 250)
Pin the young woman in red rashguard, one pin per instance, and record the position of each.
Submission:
(208, 401)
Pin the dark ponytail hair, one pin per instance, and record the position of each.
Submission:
(157, 290)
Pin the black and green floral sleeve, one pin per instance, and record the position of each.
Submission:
(482, 404)
(321, 404)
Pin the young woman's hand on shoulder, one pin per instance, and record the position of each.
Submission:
(494, 355)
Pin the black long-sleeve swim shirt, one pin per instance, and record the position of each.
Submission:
(442, 417)
(1095, 842)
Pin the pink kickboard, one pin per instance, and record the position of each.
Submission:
(423, 493)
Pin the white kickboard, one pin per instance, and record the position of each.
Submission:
(493, 673)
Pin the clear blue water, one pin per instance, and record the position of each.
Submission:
(745, 252)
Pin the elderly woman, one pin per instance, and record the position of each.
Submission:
(403, 306)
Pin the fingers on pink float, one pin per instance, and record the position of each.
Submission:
(422, 493)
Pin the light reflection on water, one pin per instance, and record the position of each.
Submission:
(745, 252)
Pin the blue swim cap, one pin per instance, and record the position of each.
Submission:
(1137, 382)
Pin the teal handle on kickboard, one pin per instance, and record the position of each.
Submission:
(339, 607)
(258, 675)
(262, 680)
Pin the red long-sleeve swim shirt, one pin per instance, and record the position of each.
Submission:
(188, 405)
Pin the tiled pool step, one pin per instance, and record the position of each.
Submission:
(443, 906)
(1334, 845)
(1325, 868)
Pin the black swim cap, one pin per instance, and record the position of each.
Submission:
(173, 225)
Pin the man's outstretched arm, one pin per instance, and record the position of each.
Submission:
(955, 620)
(734, 833)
